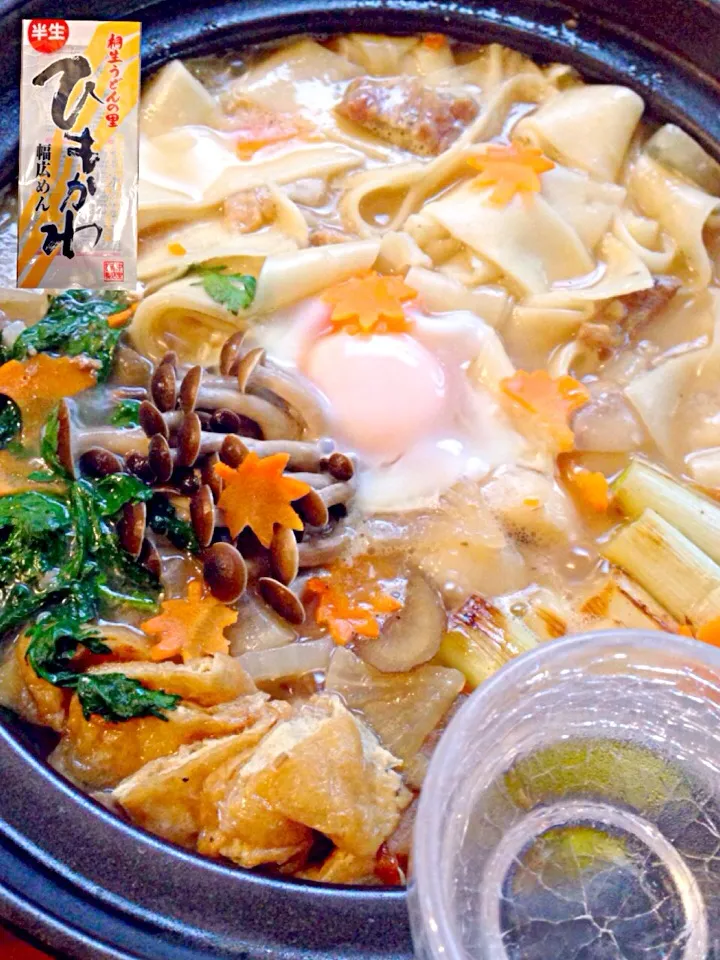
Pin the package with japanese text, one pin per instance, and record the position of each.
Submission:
(77, 211)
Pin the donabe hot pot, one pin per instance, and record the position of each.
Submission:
(72, 875)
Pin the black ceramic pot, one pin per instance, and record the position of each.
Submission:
(72, 875)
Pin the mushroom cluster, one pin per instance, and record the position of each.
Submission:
(190, 420)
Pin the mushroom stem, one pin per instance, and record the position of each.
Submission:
(307, 402)
(322, 550)
(303, 455)
(274, 422)
(337, 493)
(121, 442)
(316, 480)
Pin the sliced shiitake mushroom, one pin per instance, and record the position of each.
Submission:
(413, 635)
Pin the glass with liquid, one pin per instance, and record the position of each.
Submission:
(572, 809)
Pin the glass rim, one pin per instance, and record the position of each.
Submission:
(438, 929)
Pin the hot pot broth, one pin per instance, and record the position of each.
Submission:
(423, 374)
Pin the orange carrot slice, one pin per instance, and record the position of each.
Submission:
(190, 626)
(258, 495)
(511, 169)
(370, 303)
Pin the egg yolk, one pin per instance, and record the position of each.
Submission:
(386, 391)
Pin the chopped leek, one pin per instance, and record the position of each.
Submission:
(621, 602)
(481, 639)
(641, 486)
(669, 566)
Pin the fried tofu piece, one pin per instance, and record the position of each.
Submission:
(31, 697)
(203, 680)
(321, 770)
(237, 824)
(342, 867)
(164, 795)
(99, 754)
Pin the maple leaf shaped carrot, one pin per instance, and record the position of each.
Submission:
(347, 605)
(551, 399)
(36, 384)
(511, 169)
(190, 626)
(370, 303)
(257, 495)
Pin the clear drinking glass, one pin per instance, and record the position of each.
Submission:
(572, 809)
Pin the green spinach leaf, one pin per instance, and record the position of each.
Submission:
(126, 414)
(163, 519)
(76, 323)
(117, 697)
(10, 421)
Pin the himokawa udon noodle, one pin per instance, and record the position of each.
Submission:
(425, 373)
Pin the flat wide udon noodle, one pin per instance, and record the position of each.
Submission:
(588, 205)
(620, 272)
(533, 244)
(661, 395)
(491, 68)
(26, 305)
(412, 183)
(682, 210)
(182, 317)
(589, 127)
(207, 241)
(175, 98)
(646, 239)
(211, 171)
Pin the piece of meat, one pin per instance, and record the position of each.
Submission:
(599, 337)
(644, 305)
(249, 210)
(406, 113)
(322, 236)
(622, 320)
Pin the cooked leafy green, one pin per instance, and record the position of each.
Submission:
(76, 323)
(126, 414)
(61, 563)
(48, 448)
(113, 492)
(236, 291)
(10, 421)
(117, 697)
(163, 519)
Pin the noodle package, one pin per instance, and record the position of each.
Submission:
(77, 219)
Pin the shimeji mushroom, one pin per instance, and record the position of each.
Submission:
(73, 443)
